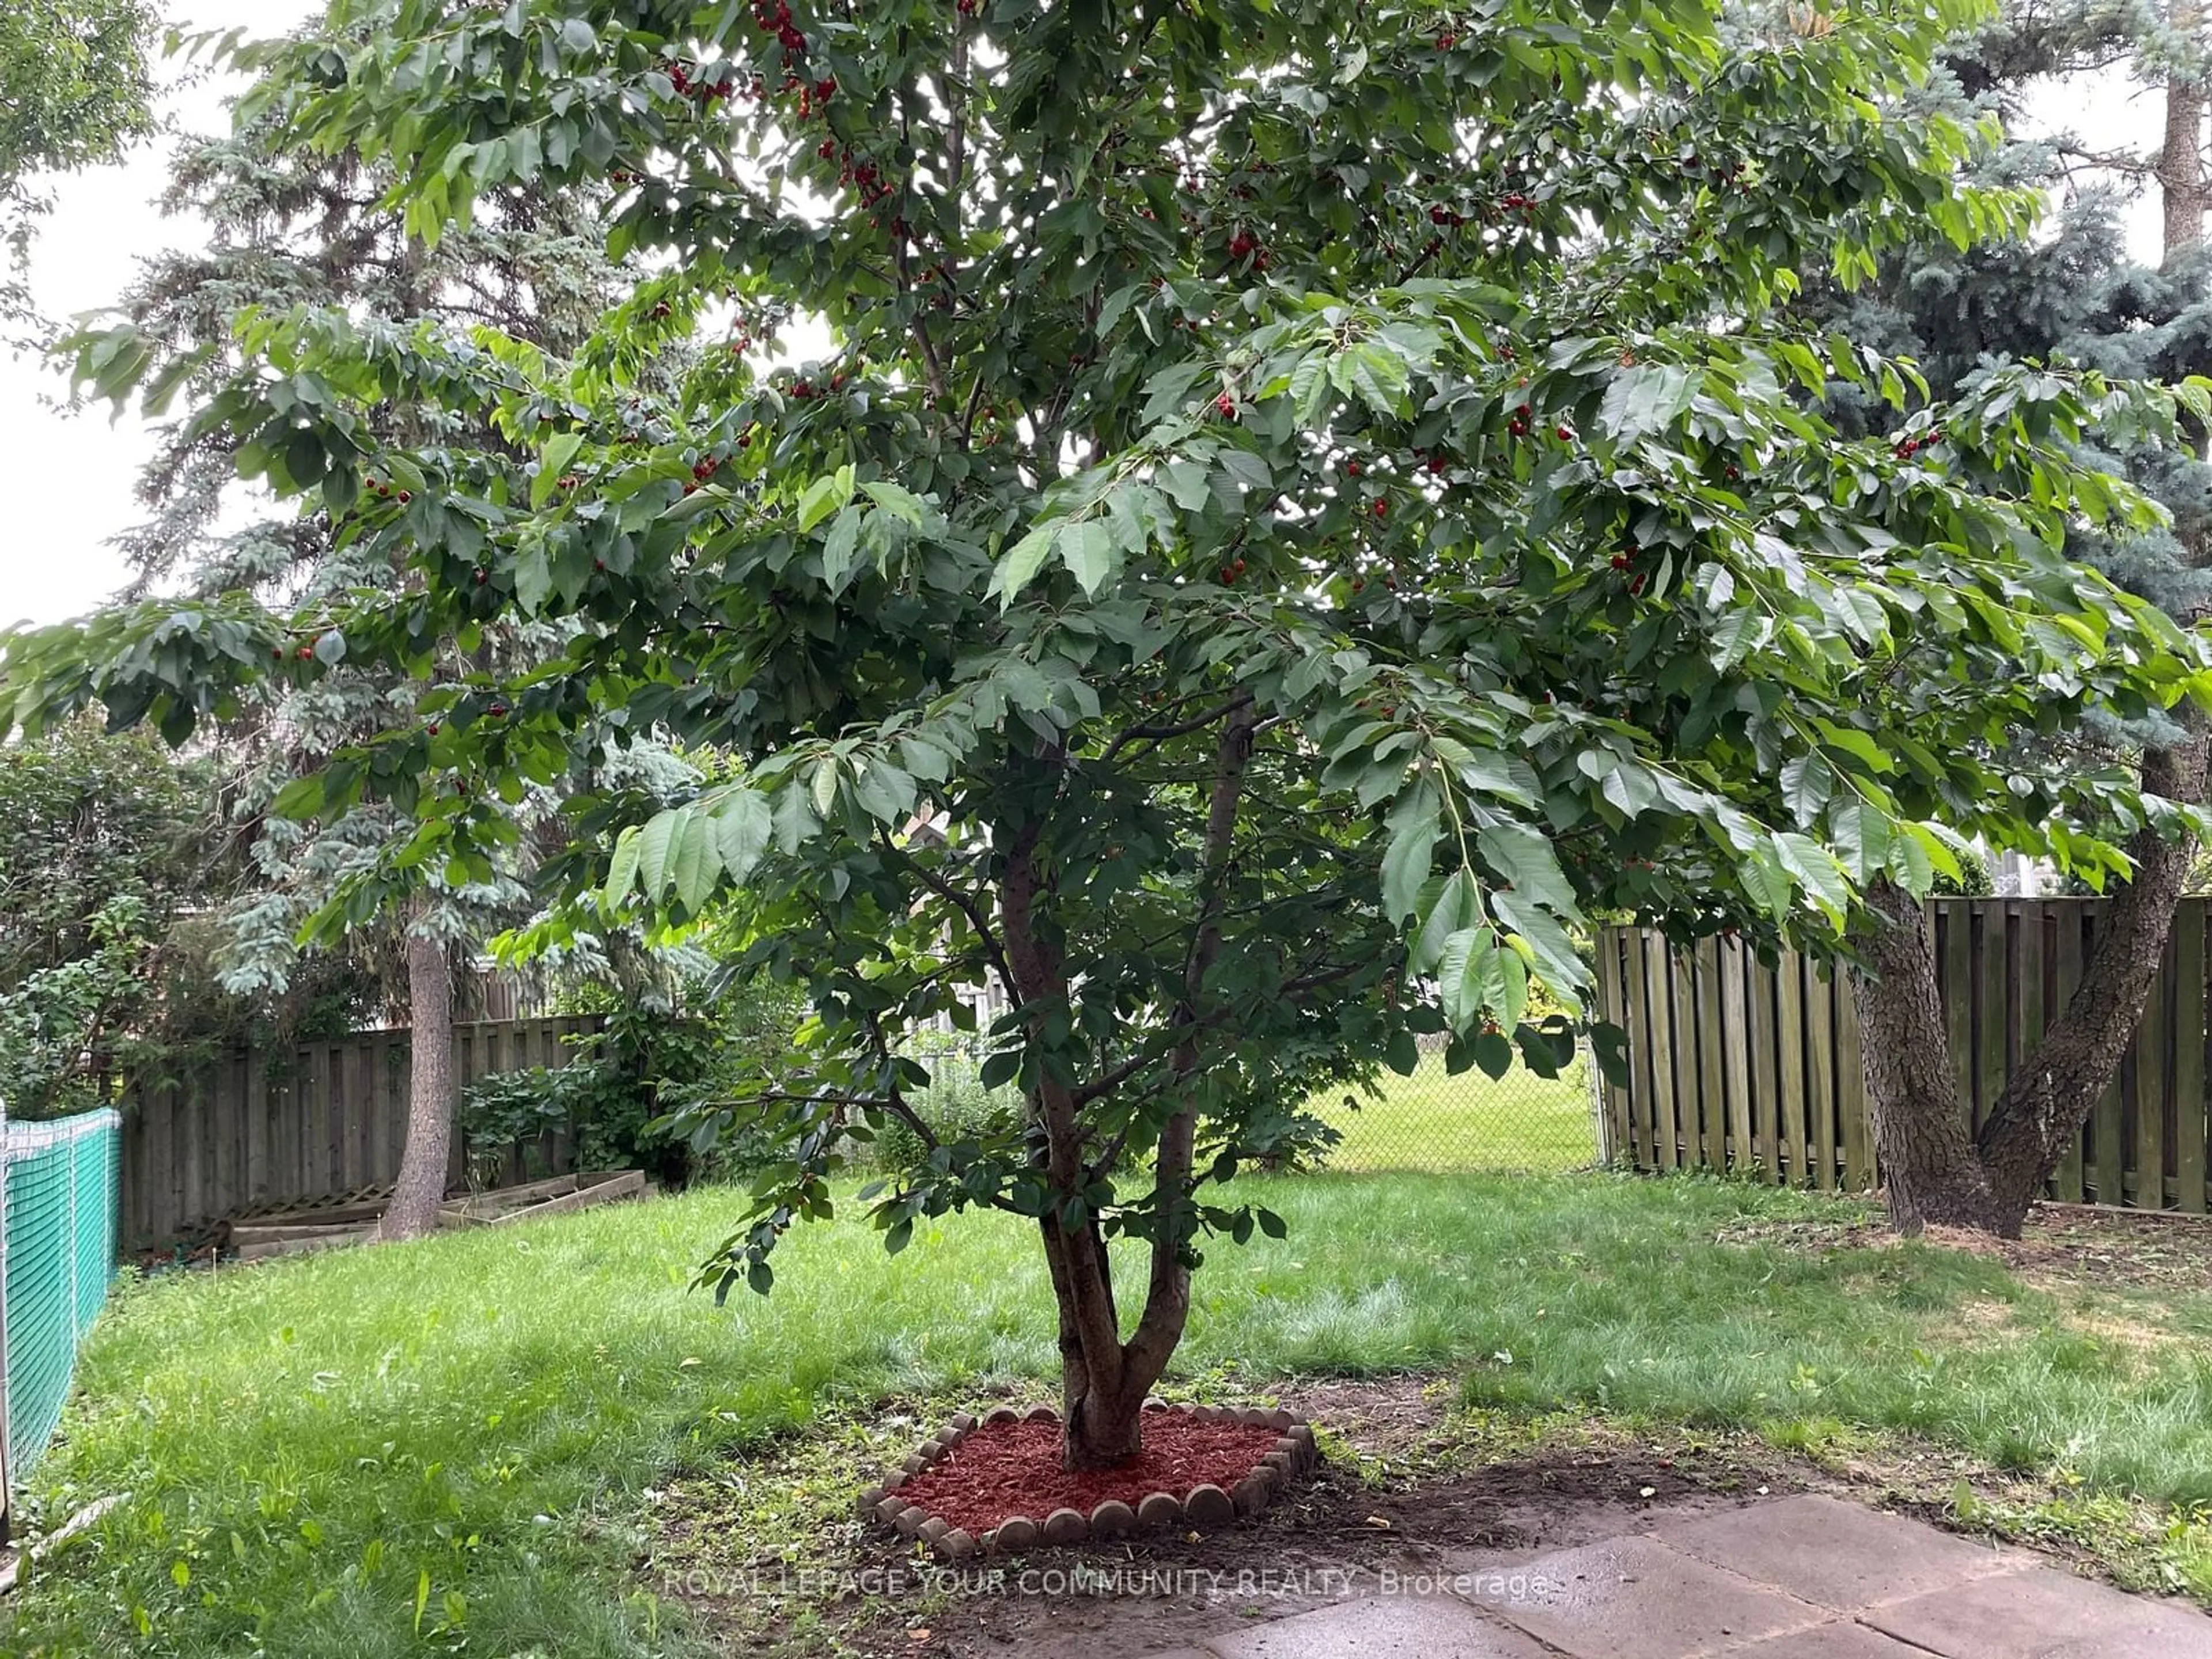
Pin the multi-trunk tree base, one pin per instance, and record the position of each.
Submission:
(1937, 1169)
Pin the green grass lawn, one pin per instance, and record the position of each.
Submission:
(444, 1447)
(1442, 1124)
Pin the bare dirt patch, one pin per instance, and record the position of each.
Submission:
(2062, 1245)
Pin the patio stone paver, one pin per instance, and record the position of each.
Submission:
(1796, 1578)
(1386, 1626)
(1634, 1598)
(1839, 1555)
(2042, 1615)
(1842, 1640)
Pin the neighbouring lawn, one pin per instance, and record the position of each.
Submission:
(1441, 1124)
(447, 1447)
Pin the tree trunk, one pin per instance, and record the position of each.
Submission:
(1101, 1397)
(2183, 196)
(1931, 1170)
(1103, 1379)
(422, 1164)
(2045, 1103)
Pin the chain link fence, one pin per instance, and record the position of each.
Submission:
(57, 1209)
(1432, 1121)
(1435, 1121)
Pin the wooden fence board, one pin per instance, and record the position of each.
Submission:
(1789, 1085)
(1856, 1135)
(1821, 1075)
(1642, 1092)
(1711, 1020)
(1681, 1125)
(1954, 961)
(2189, 1070)
(1736, 1065)
(1613, 1002)
(251, 1132)
(1992, 959)
(1737, 1054)
(2152, 1068)
(1766, 1067)
(2068, 1184)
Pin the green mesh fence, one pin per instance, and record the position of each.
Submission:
(57, 1260)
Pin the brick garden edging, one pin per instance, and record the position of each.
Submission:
(1293, 1453)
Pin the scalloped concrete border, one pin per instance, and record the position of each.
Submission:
(1294, 1454)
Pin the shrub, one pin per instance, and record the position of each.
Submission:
(957, 1105)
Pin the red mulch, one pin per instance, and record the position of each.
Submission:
(1005, 1469)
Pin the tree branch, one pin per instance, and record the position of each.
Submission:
(1160, 732)
(968, 906)
(1167, 1299)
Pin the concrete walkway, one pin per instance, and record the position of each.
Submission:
(1797, 1578)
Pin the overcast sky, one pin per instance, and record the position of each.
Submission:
(73, 474)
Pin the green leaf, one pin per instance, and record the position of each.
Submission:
(1912, 861)
(822, 497)
(1088, 551)
(837, 547)
(1414, 828)
(533, 581)
(1557, 959)
(1861, 835)
(898, 500)
(1806, 785)
(1816, 868)
(655, 845)
(1403, 1052)
(552, 462)
(1458, 906)
(1767, 882)
(1526, 861)
(622, 868)
(1186, 485)
(694, 862)
(1629, 787)
(1021, 563)
(1468, 976)
(743, 824)
(1512, 998)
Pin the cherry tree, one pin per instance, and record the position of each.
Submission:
(1291, 519)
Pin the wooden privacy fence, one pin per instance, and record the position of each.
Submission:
(254, 1131)
(1736, 1065)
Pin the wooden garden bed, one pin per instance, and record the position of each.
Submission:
(357, 1222)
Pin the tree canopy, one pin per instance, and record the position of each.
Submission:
(1289, 523)
(73, 90)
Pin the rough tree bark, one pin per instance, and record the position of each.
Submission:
(2183, 190)
(421, 1187)
(1930, 1167)
(1104, 1379)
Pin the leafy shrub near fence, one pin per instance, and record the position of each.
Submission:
(650, 1060)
